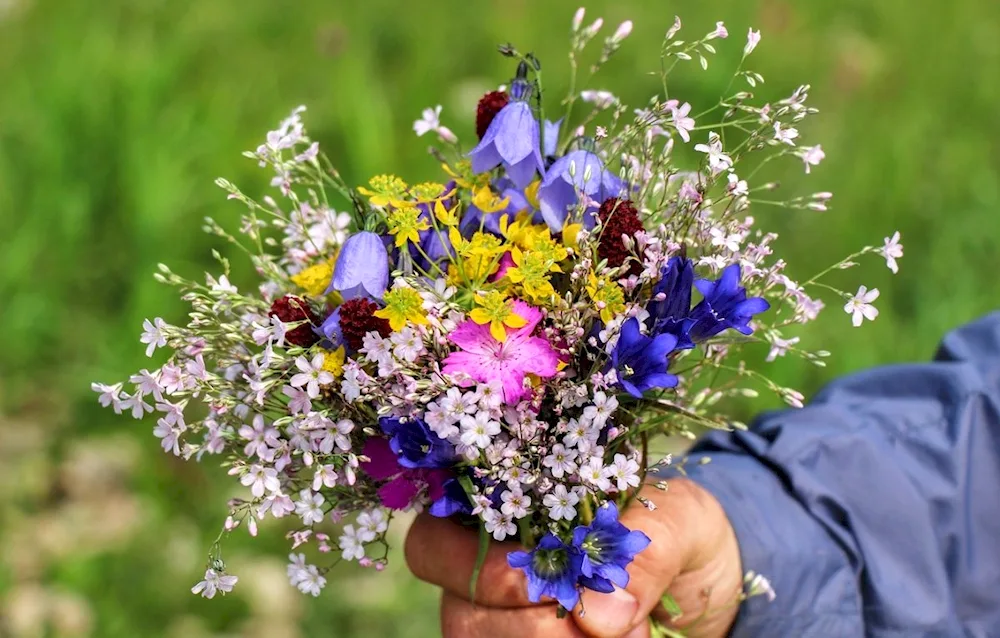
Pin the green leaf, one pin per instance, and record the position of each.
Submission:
(671, 606)
(484, 545)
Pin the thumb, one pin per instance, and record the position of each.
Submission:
(673, 529)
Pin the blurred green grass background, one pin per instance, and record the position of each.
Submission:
(115, 117)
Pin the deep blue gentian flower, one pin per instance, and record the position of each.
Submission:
(416, 445)
(607, 547)
(453, 501)
(641, 361)
(671, 315)
(511, 140)
(362, 268)
(552, 568)
(558, 192)
(725, 306)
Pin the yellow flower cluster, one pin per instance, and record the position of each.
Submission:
(608, 296)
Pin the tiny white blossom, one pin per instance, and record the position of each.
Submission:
(311, 581)
(785, 135)
(603, 408)
(478, 430)
(431, 121)
(376, 349)
(440, 421)
(325, 476)
(594, 473)
(260, 479)
(720, 32)
(309, 507)
(457, 404)
(408, 344)
(728, 241)
(780, 346)
(500, 525)
(561, 503)
(312, 375)
(892, 250)
(215, 582)
(682, 121)
(625, 472)
(859, 306)
(169, 435)
(110, 395)
(811, 156)
(718, 161)
(622, 32)
(515, 503)
(372, 523)
(578, 431)
(600, 99)
(561, 461)
(152, 334)
(738, 187)
(351, 544)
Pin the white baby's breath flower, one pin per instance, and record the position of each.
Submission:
(753, 39)
(153, 334)
(860, 306)
(892, 250)
(215, 582)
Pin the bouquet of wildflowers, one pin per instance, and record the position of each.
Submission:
(501, 346)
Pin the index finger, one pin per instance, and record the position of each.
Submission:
(443, 553)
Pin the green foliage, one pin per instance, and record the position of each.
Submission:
(116, 116)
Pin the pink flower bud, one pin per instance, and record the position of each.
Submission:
(578, 18)
(622, 31)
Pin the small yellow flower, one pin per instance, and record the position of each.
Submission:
(570, 234)
(487, 201)
(333, 361)
(480, 255)
(402, 305)
(608, 296)
(445, 216)
(314, 279)
(531, 271)
(428, 192)
(461, 173)
(385, 190)
(498, 311)
(531, 193)
(405, 224)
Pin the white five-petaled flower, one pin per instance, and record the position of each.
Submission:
(372, 523)
(479, 430)
(859, 306)
(892, 251)
(215, 582)
(625, 472)
(515, 503)
(753, 39)
(600, 99)
(718, 161)
(312, 375)
(780, 346)
(738, 187)
(260, 479)
(326, 476)
(561, 461)
(594, 472)
(309, 507)
(110, 395)
(603, 407)
(311, 581)
(811, 156)
(152, 334)
(500, 525)
(682, 121)
(729, 241)
(298, 400)
(785, 135)
(561, 503)
(431, 121)
(352, 544)
(408, 344)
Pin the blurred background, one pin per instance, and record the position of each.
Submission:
(116, 116)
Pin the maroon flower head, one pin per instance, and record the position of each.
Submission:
(357, 318)
(293, 309)
(489, 105)
(618, 217)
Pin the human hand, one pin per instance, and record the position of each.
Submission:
(693, 555)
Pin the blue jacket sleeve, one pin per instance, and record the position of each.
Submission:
(875, 510)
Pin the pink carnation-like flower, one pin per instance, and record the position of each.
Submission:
(485, 359)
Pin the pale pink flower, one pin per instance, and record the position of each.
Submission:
(561, 503)
(753, 39)
(811, 156)
(682, 121)
(215, 582)
(892, 251)
(859, 306)
(720, 32)
(153, 335)
(430, 121)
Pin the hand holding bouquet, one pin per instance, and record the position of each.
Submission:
(500, 347)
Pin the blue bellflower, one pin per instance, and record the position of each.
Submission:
(641, 361)
(552, 568)
(725, 306)
(330, 329)
(453, 501)
(550, 139)
(416, 445)
(607, 547)
(670, 315)
(577, 172)
(511, 140)
(362, 268)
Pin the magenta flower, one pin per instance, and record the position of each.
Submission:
(485, 359)
(404, 484)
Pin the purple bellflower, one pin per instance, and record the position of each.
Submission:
(576, 174)
(641, 361)
(550, 139)
(725, 305)
(511, 140)
(552, 568)
(671, 313)
(416, 445)
(607, 547)
(362, 268)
